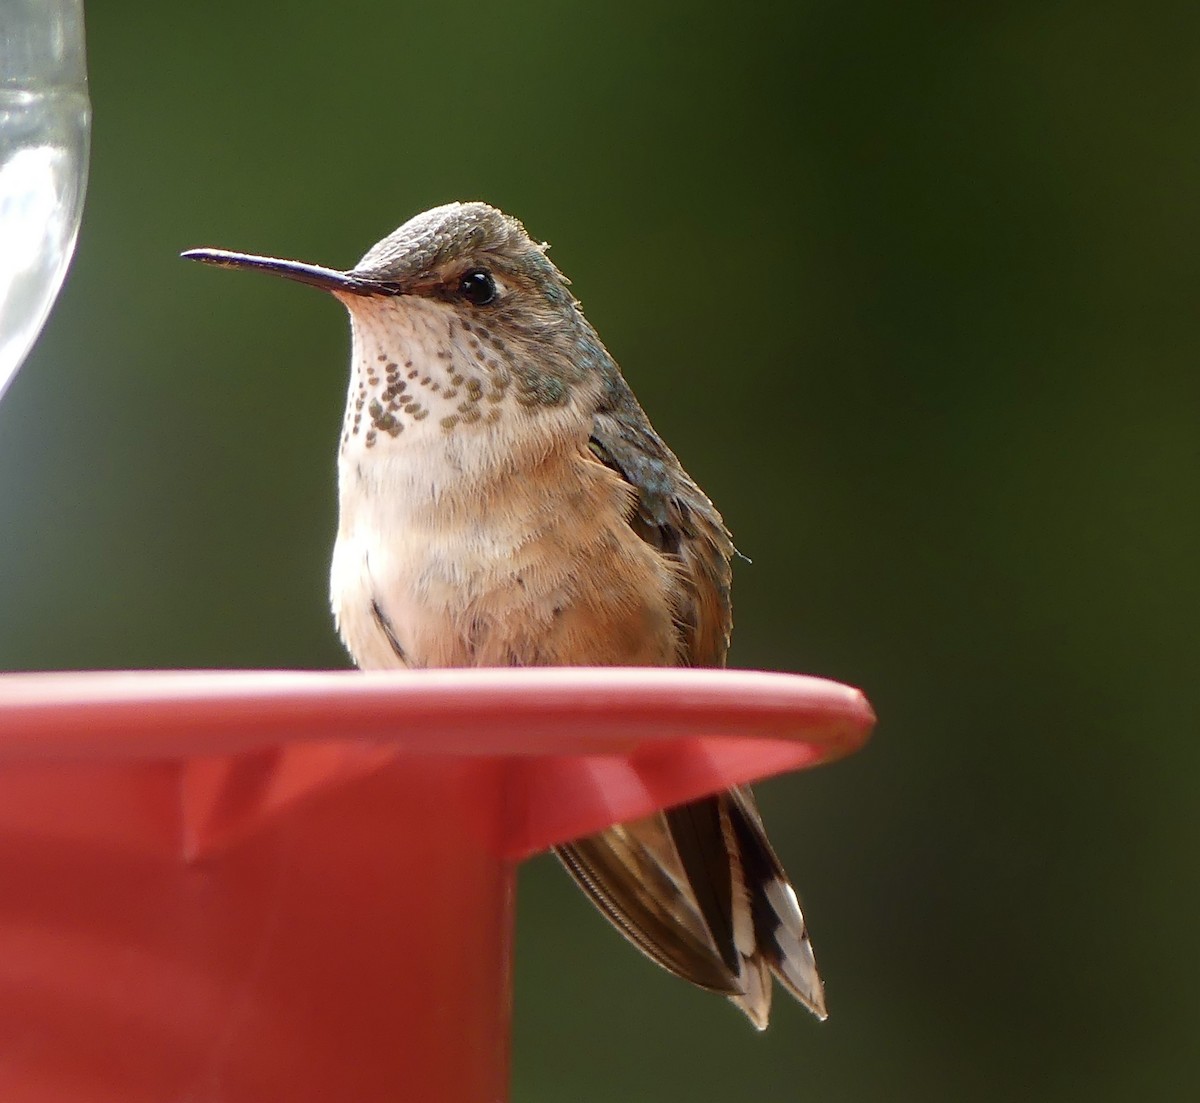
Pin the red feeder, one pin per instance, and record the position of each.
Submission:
(252, 886)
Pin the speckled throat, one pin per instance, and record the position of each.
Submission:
(420, 367)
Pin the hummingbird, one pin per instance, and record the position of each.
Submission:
(504, 501)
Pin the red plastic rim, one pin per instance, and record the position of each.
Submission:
(102, 715)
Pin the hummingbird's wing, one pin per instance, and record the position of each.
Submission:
(697, 888)
(674, 516)
(634, 874)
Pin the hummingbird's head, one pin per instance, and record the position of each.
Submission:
(468, 255)
(459, 318)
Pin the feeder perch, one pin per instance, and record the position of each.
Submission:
(249, 886)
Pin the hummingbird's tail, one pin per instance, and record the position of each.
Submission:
(699, 890)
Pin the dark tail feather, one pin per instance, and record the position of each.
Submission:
(779, 927)
(700, 891)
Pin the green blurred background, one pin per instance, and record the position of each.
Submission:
(910, 289)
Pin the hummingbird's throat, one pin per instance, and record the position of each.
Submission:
(421, 366)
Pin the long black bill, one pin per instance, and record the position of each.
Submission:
(327, 279)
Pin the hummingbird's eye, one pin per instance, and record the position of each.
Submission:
(477, 287)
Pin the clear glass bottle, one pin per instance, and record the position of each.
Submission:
(45, 122)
